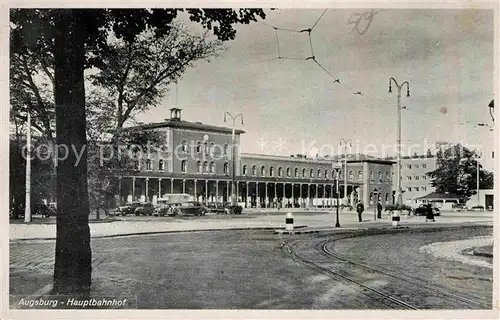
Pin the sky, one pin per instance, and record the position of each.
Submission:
(294, 106)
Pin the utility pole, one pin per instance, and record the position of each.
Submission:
(337, 166)
(345, 143)
(478, 156)
(233, 155)
(399, 191)
(27, 208)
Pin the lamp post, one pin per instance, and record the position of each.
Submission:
(478, 155)
(337, 166)
(27, 206)
(233, 155)
(491, 107)
(399, 191)
(375, 204)
(345, 143)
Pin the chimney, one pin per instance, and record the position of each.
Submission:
(175, 114)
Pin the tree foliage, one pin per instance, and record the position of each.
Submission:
(456, 172)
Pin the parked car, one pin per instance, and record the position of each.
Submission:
(458, 207)
(145, 209)
(128, 208)
(162, 210)
(217, 207)
(422, 210)
(188, 208)
(477, 208)
(236, 209)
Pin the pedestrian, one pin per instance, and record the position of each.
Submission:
(379, 210)
(360, 208)
(429, 216)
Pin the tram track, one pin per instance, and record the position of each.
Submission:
(398, 291)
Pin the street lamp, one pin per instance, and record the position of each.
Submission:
(477, 155)
(375, 204)
(337, 166)
(345, 143)
(399, 200)
(491, 107)
(233, 156)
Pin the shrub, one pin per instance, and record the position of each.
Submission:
(402, 207)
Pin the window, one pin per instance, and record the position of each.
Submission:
(326, 174)
(386, 197)
(288, 172)
(417, 177)
(340, 174)
(423, 188)
(311, 173)
(161, 165)
(296, 173)
(262, 171)
(212, 167)
(304, 173)
(380, 175)
(371, 175)
(226, 149)
(409, 189)
(198, 147)
(245, 170)
(424, 165)
(319, 173)
(280, 171)
(137, 165)
(254, 170)
(424, 177)
(416, 166)
(408, 178)
(271, 172)
(387, 176)
(408, 166)
(148, 165)
(226, 168)
(200, 168)
(416, 188)
(184, 146)
(205, 167)
(184, 166)
(360, 175)
(351, 174)
(212, 148)
(205, 147)
(334, 174)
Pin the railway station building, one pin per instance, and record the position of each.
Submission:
(197, 160)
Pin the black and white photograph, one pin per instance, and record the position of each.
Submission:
(247, 157)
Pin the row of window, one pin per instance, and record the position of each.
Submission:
(423, 177)
(379, 197)
(206, 148)
(149, 165)
(308, 174)
(416, 166)
(417, 189)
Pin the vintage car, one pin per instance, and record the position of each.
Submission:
(422, 210)
(187, 208)
(161, 210)
(145, 209)
(128, 208)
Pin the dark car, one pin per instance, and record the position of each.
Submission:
(188, 208)
(145, 209)
(217, 207)
(422, 210)
(129, 208)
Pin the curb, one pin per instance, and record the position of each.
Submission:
(156, 232)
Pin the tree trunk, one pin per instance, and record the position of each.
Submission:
(73, 260)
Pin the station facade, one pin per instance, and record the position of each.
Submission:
(197, 160)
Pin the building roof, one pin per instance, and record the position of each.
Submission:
(441, 196)
(171, 123)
